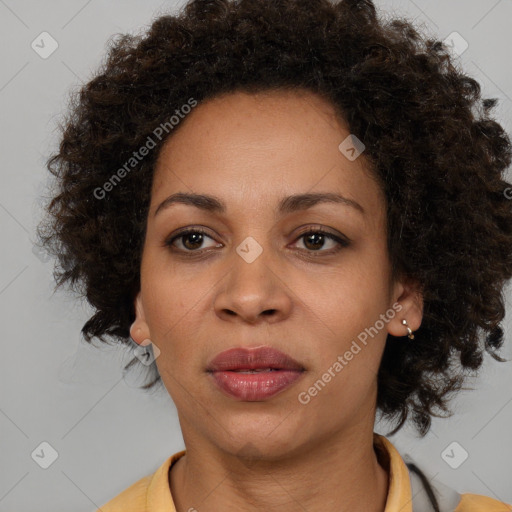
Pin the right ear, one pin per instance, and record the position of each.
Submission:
(139, 330)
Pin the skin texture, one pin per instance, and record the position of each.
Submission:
(251, 150)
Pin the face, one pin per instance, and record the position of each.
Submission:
(255, 271)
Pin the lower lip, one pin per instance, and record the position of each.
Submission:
(254, 387)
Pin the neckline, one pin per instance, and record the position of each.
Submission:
(386, 456)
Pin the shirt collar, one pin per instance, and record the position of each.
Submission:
(399, 493)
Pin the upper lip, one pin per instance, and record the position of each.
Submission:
(242, 358)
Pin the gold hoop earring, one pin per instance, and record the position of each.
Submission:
(410, 335)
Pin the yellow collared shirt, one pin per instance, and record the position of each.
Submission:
(152, 493)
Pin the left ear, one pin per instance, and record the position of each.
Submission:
(408, 303)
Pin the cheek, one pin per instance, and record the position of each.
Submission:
(345, 307)
(173, 324)
(171, 304)
(348, 351)
(350, 296)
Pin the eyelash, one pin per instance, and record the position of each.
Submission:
(342, 242)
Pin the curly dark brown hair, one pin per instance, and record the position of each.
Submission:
(429, 139)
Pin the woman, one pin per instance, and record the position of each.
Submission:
(298, 214)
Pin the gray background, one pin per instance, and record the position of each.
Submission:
(58, 389)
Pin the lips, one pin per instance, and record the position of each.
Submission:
(260, 358)
(254, 374)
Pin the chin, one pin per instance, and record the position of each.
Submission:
(261, 441)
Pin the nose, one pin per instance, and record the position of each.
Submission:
(253, 291)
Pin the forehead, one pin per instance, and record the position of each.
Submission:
(248, 147)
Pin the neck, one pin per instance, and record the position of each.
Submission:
(342, 474)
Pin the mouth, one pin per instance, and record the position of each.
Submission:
(254, 375)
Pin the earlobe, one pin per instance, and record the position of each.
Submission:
(410, 299)
(139, 330)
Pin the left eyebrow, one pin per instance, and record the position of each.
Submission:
(305, 201)
(288, 204)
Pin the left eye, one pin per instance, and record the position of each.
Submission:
(317, 237)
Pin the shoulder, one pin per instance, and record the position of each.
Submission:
(449, 500)
(478, 503)
(149, 494)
